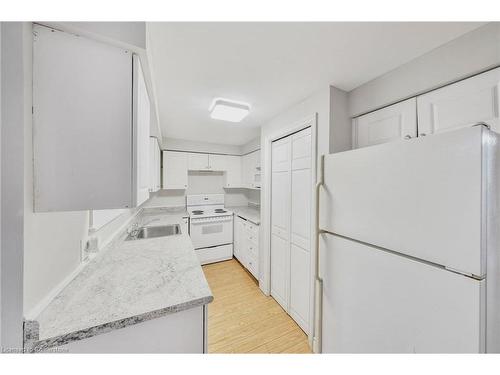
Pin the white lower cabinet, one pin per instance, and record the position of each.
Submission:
(181, 332)
(246, 244)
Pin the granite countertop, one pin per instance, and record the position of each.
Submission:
(250, 213)
(128, 282)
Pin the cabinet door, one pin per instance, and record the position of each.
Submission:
(142, 112)
(158, 168)
(218, 162)
(393, 123)
(82, 123)
(461, 104)
(175, 170)
(198, 162)
(233, 171)
(153, 164)
(238, 239)
(256, 169)
(246, 170)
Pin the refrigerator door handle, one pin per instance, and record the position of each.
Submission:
(318, 298)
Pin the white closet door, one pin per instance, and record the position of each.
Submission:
(300, 227)
(461, 104)
(280, 221)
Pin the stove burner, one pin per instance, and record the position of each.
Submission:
(220, 210)
(197, 212)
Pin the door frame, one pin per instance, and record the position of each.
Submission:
(265, 241)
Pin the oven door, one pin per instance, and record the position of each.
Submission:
(211, 231)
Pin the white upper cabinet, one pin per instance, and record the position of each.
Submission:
(175, 170)
(217, 162)
(461, 104)
(396, 122)
(82, 124)
(154, 164)
(239, 172)
(231, 165)
(233, 171)
(141, 114)
(198, 162)
(250, 165)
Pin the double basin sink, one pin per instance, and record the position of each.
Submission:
(153, 232)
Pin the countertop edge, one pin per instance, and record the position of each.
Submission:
(240, 211)
(32, 344)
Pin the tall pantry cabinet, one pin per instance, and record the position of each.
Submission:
(291, 188)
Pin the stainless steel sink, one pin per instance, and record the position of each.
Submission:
(152, 232)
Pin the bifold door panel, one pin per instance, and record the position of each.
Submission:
(291, 225)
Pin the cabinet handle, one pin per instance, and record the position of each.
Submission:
(422, 135)
(407, 136)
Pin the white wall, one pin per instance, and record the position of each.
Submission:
(471, 53)
(250, 146)
(340, 121)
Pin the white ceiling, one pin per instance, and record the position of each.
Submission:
(271, 66)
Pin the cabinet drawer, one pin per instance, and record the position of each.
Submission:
(251, 237)
(252, 250)
(253, 267)
(252, 228)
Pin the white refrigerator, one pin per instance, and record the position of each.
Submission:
(408, 246)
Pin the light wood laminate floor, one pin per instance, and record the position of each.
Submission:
(241, 319)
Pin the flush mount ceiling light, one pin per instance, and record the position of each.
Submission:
(228, 110)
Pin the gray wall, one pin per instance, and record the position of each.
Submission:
(469, 54)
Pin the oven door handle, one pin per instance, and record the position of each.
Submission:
(210, 220)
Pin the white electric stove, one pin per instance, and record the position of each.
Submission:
(210, 227)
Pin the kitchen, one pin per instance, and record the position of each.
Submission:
(175, 214)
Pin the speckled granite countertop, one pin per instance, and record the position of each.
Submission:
(247, 212)
(128, 282)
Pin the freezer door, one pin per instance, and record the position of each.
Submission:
(424, 197)
(380, 302)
